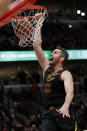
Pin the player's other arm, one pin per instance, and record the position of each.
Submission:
(69, 89)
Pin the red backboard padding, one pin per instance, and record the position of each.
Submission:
(14, 9)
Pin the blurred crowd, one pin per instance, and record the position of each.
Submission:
(20, 112)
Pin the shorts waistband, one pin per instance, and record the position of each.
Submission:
(49, 109)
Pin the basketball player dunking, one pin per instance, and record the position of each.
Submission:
(57, 91)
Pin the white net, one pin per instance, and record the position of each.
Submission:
(27, 26)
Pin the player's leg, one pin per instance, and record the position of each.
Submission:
(66, 124)
(49, 125)
(4, 6)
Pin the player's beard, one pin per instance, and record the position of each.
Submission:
(52, 63)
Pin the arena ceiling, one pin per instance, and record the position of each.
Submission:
(78, 3)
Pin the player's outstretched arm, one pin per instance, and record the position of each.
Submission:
(43, 61)
(69, 89)
(4, 6)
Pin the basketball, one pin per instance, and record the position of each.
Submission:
(23, 28)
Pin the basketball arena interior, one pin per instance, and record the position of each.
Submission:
(21, 74)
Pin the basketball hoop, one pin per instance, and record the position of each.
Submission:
(26, 19)
(28, 24)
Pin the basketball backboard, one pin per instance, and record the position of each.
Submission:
(14, 9)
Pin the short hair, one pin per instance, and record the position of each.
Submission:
(64, 53)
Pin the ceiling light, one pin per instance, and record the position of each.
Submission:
(78, 12)
(82, 13)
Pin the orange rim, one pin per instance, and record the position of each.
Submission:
(36, 7)
(31, 7)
